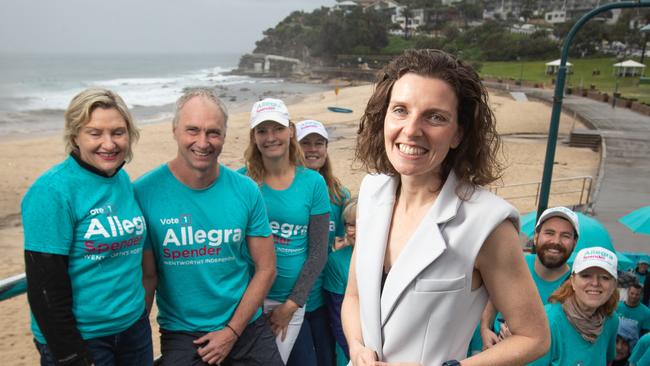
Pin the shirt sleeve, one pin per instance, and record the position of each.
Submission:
(640, 350)
(320, 198)
(258, 220)
(48, 221)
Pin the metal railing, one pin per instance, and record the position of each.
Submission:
(571, 191)
(13, 286)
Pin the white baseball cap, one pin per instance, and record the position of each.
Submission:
(596, 257)
(304, 128)
(562, 212)
(269, 109)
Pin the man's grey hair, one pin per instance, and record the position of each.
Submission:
(202, 91)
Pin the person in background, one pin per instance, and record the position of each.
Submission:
(641, 270)
(203, 216)
(431, 243)
(556, 235)
(336, 279)
(632, 309)
(581, 312)
(626, 339)
(315, 343)
(84, 234)
(297, 203)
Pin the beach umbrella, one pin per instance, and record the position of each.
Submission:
(638, 220)
(592, 232)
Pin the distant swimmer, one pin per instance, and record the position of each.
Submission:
(84, 234)
(203, 218)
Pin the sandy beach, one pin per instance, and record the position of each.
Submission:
(523, 126)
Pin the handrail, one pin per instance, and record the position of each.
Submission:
(13, 286)
(584, 189)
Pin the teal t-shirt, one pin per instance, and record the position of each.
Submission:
(544, 288)
(198, 237)
(337, 270)
(640, 277)
(640, 315)
(568, 348)
(337, 224)
(640, 355)
(97, 223)
(316, 298)
(289, 211)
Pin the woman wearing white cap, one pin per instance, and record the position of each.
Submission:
(581, 312)
(315, 332)
(298, 207)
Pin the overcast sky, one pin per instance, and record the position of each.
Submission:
(147, 26)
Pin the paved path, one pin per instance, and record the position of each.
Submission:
(625, 175)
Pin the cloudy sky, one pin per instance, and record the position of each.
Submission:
(142, 26)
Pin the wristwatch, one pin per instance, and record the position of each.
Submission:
(451, 363)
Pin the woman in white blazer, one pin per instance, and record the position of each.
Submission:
(432, 244)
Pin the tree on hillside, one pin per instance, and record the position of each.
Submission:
(325, 33)
(586, 41)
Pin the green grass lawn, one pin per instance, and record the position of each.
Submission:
(581, 75)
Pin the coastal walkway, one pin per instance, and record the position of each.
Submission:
(624, 177)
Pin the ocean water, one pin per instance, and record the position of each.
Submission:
(35, 89)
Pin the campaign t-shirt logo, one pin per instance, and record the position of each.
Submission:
(181, 233)
(107, 233)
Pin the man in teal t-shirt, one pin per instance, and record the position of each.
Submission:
(203, 217)
(556, 234)
(632, 309)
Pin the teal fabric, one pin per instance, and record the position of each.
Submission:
(198, 237)
(544, 288)
(341, 358)
(316, 297)
(569, 348)
(337, 270)
(289, 211)
(97, 223)
(640, 315)
(640, 355)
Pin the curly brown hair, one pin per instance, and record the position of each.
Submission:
(566, 290)
(474, 161)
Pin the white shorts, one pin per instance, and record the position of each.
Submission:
(292, 330)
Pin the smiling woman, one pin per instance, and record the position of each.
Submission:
(581, 312)
(84, 282)
(431, 243)
(298, 207)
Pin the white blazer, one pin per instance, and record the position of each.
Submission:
(427, 311)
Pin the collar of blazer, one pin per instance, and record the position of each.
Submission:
(425, 245)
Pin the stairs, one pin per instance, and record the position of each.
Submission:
(585, 138)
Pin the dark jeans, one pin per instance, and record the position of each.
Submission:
(130, 347)
(315, 344)
(256, 346)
